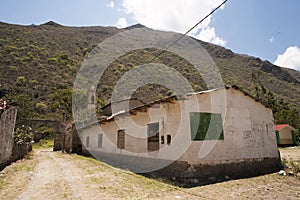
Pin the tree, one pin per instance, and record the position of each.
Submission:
(62, 102)
(24, 103)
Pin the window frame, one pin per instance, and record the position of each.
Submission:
(121, 139)
(202, 128)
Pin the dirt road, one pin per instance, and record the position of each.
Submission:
(54, 178)
(63, 176)
(53, 175)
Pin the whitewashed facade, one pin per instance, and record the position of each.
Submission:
(223, 130)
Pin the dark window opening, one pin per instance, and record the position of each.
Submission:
(92, 99)
(100, 140)
(153, 137)
(206, 126)
(168, 139)
(87, 141)
(162, 139)
(121, 139)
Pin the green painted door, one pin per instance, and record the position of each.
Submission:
(277, 137)
(293, 137)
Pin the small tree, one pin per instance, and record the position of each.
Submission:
(47, 132)
(62, 102)
(24, 103)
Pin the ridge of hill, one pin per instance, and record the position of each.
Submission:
(39, 61)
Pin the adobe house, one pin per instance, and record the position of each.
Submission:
(194, 136)
(285, 135)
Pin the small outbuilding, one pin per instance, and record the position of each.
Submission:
(285, 135)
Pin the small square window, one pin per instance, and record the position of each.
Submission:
(162, 139)
(100, 140)
(206, 126)
(168, 139)
(87, 141)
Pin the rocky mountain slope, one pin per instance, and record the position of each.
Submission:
(39, 64)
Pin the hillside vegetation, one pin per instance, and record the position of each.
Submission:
(39, 64)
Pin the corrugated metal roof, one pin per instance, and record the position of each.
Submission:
(278, 127)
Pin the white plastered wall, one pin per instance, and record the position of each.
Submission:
(247, 125)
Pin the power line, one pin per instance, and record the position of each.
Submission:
(163, 51)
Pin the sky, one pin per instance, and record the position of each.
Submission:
(268, 29)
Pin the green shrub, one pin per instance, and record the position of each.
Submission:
(26, 59)
(26, 33)
(13, 68)
(20, 80)
(17, 60)
(41, 107)
(116, 71)
(46, 132)
(64, 57)
(52, 60)
(23, 135)
(295, 166)
(33, 81)
(122, 67)
(22, 48)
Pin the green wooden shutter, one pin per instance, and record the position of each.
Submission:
(206, 126)
(277, 137)
(293, 137)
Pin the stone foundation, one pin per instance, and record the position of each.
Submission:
(184, 172)
(208, 173)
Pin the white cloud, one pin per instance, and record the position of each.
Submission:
(209, 35)
(290, 58)
(271, 39)
(122, 23)
(174, 15)
(111, 4)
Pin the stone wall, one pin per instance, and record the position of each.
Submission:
(9, 152)
(7, 125)
(203, 174)
(19, 151)
(58, 128)
(68, 140)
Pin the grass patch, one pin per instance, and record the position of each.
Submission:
(295, 166)
(44, 144)
(14, 177)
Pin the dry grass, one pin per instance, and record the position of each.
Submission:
(87, 178)
(16, 176)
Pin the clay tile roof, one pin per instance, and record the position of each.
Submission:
(280, 126)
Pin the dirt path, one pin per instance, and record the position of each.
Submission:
(54, 176)
(63, 176)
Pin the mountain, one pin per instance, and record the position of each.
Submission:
(39, 61)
